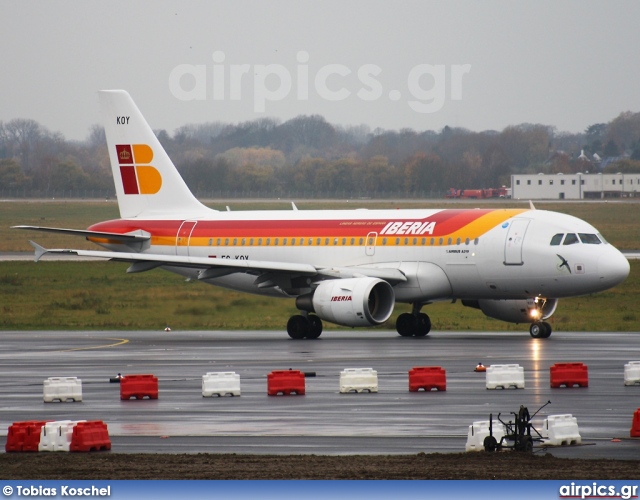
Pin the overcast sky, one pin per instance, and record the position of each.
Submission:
(417, 64)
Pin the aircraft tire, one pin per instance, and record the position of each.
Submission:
(298, 327)
(536, 330)
(424, 325)
(547, 330)
(315, 326)
(406, 325)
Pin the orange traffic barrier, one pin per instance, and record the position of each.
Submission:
(569, 375)
(24, 436)
(480, 368)
(90, 436)
(139, 387)
(286, 382)
(635, 425)
(427, 378)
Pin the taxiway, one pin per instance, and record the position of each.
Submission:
(393, 421)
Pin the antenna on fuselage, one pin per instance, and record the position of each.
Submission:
(293, 206)
(531, 205)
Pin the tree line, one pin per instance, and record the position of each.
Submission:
(308, 156)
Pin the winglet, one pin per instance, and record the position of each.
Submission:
(531, 205)
(40, 251)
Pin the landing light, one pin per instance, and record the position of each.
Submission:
(534, 313)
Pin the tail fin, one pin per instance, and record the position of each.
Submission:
(146, 180)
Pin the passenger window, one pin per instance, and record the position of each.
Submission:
(589, 239)
(570, 239)
(557, 238)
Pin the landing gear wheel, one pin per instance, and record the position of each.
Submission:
(315, 326)
(490, 444)
(536, 330)
(540, 330)
(423, 326)
(406, 325)
(298, 327)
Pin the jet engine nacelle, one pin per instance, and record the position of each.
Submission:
(515, 311)
(350, 302)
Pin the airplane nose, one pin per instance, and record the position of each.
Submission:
(613, 267)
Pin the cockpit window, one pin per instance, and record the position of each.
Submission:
(589, 239)
(570, 239)
(602, 238)
(557, 238)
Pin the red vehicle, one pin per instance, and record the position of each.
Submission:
(501, 192)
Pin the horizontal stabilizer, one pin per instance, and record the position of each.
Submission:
(125, 238)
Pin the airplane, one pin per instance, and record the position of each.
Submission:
(348, 267)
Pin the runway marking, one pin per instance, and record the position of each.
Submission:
(122, 341)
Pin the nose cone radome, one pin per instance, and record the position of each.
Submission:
(613, 268)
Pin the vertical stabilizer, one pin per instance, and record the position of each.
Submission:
(147, 183)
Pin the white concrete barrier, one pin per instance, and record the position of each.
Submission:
(62, 389)
(561, 429)
(505, 376)
(632, 373)
(480, 430)
(220, 384)
(358, 380)
(56, 436)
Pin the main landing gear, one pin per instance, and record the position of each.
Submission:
(414, 324)
(304, 326)
(541, 330)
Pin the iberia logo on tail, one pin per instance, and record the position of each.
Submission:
(138, 177)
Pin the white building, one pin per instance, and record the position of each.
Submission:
(574, 186)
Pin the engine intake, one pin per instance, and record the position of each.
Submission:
(350, 302)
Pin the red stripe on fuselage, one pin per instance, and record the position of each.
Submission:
(446, 222)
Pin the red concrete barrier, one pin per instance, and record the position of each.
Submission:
(635, 425)
(569, 375)
(90, 436)
(139, 387)
(285, 382)
(427, 378)
(24, 436)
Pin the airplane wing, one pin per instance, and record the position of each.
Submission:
(216, 267)
(125, 238)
